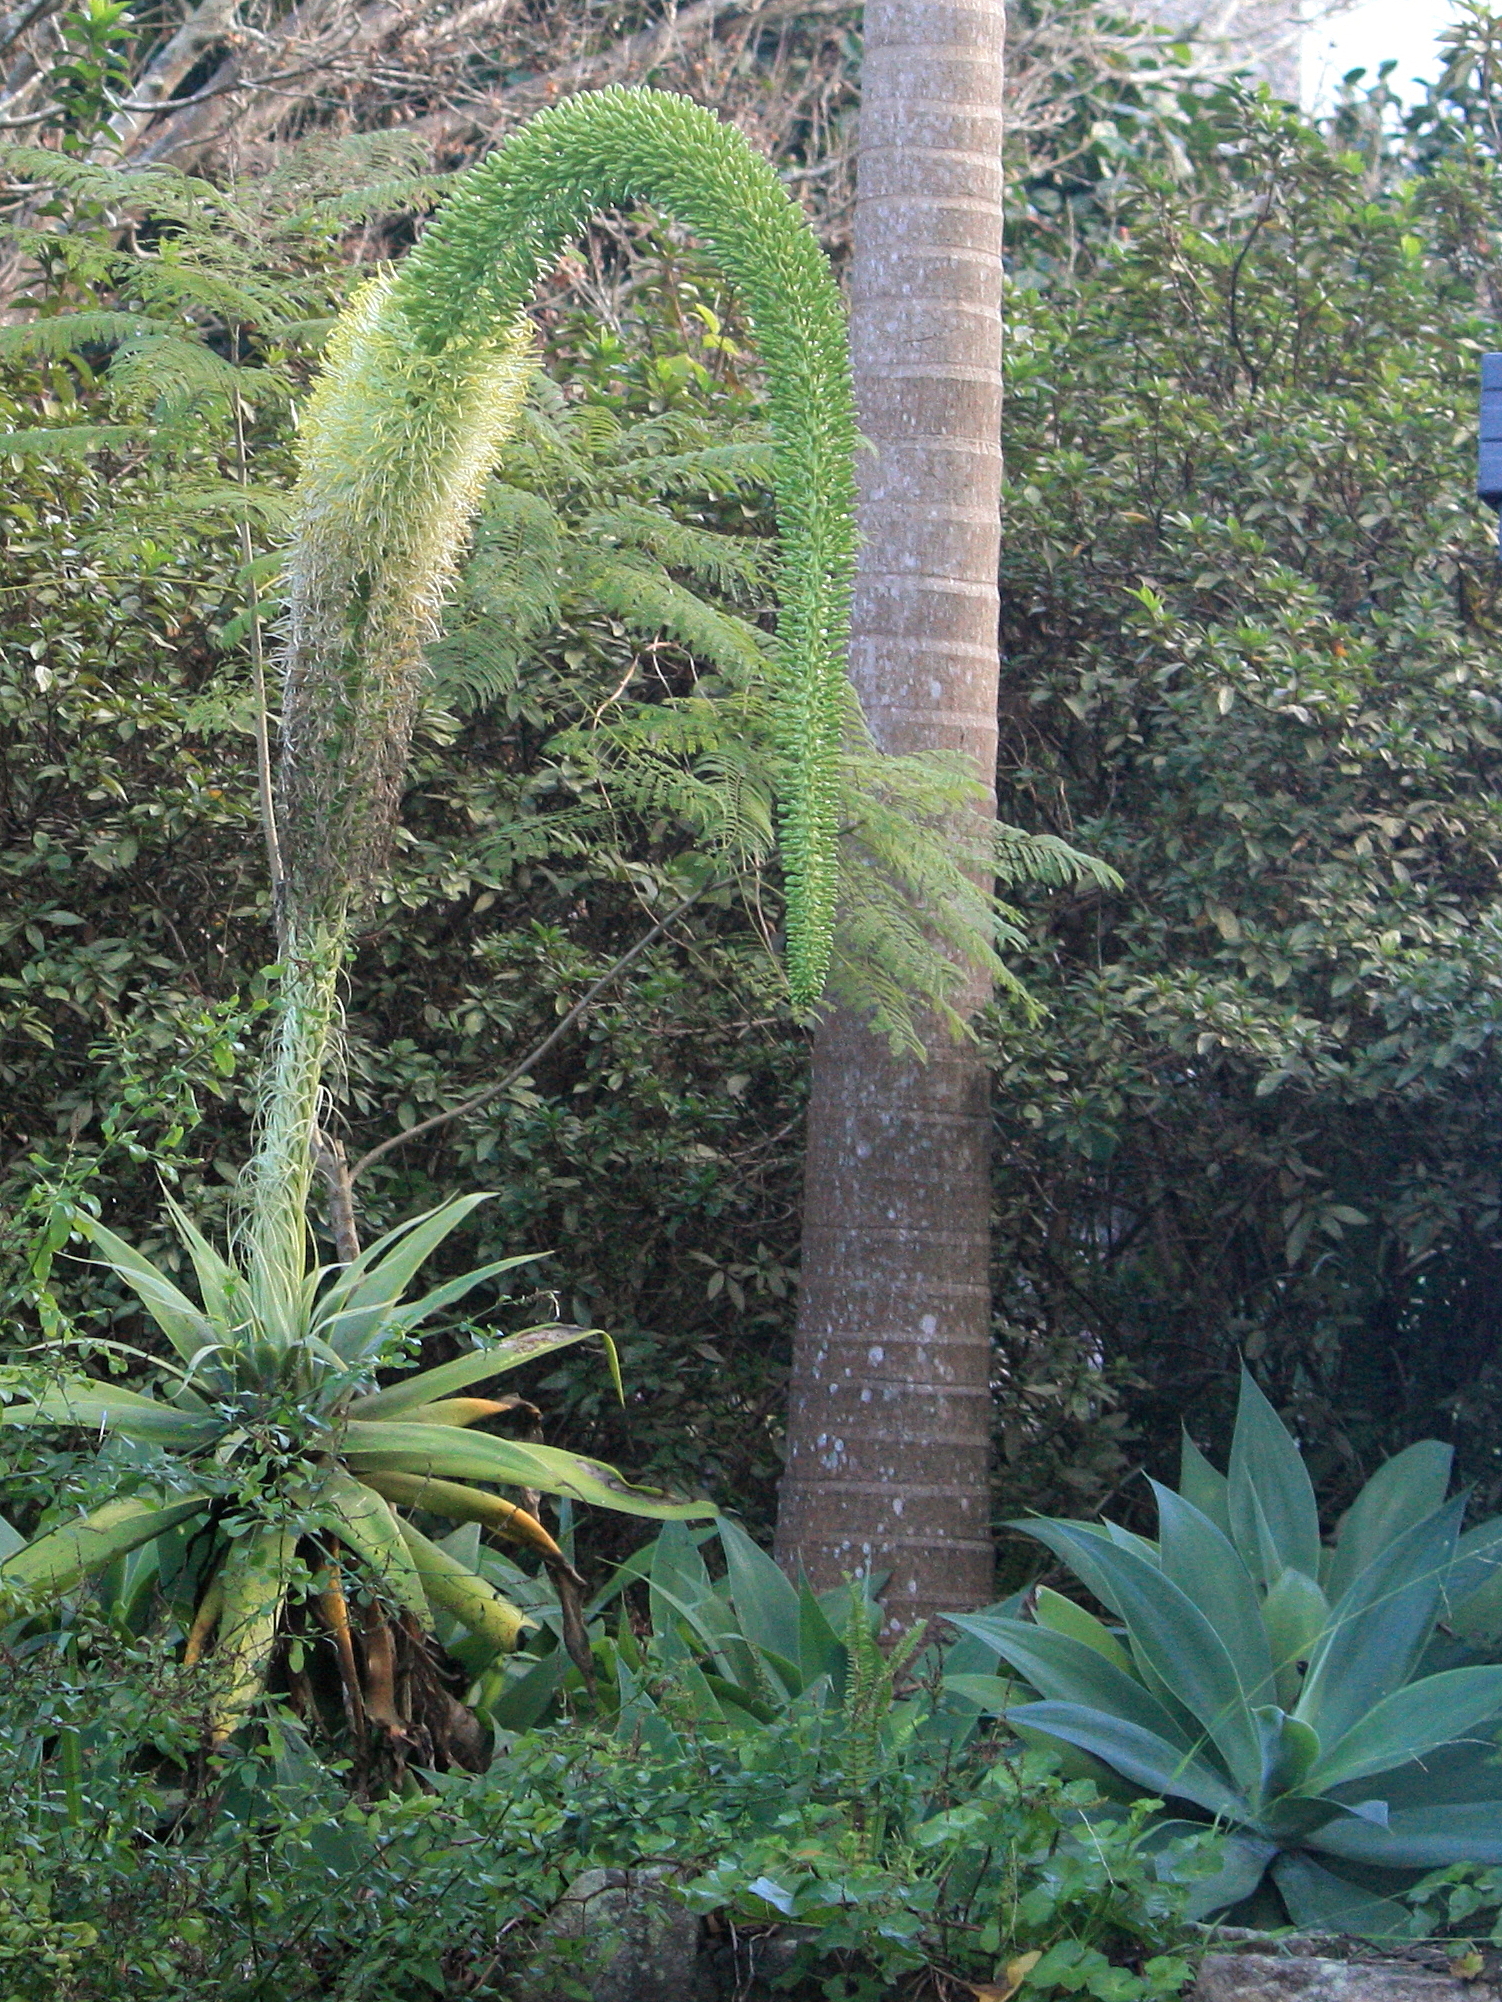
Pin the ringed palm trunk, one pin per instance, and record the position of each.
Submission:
(889, 1417)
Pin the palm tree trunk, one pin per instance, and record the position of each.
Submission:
(889, 1419)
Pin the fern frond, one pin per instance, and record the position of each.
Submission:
(66, 333)
(649, 604)
(732, 564)
(733, 469)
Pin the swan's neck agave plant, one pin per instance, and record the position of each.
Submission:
(1316, 1700)
(424, 382)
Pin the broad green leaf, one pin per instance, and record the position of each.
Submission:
(1403, 1492)
(1140, 1756)
(525, 1697)
(1246, 1860)
(449, 1454)
(1204, 1487)
(470, 1598)
(1207, 1568)
(764, 1599)
(99, 1407)
(1414, 1720)
(1320, 1901)
(821, 1651)
(1378, 1628)
(1418, 1838)
(1169, 1635)
(365, 1522)
(187, 1328)
(1295, 1614)
(449, 1377)
(63, 1557)
(1065, 1670)
(11, 1539)
(1052, 1609)
(1267, 1473)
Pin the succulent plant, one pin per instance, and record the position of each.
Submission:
(1297, 1693)
(283, 1449)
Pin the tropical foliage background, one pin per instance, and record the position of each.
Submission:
(1250, 621)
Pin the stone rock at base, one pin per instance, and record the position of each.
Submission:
(621, 1936)
(1259, 1977)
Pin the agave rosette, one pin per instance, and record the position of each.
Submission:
(285, 1376)
(1292, 1691)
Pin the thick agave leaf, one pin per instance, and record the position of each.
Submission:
(255, 1578)
(1203, 1486)
(471, 1599)
(1473, 1588)
(431, 1384)
(100, 1407)
(362, 1518)
(1207, 1568)
(63, 1557)
(1245, 1860)
(1405, 1491)
(188, 1329)
(1321, 1901)
(1051, 1609)
(220, 1285)
(462, 1504)
(1379, 1626)
(1418, 1838)
(11, 1539)
(376, 1446)
(1170, 1635)
(1154, 1764)
(1274, 1517)
(1412, 1721)
(1065, 1670)
(400, 1320)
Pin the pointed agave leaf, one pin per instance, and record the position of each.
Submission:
(1170, 1636)
(1269, 1489)
(1379, 1626)
(1404, 1491)
(446, 1378)
(1064, 1670)
(1140, 1756)
(1207, 1568)
(764, 1599)
(1203, 1486)
(187, 1327)
(471, 1599)
(1418, 1838)
(1052, 1609)
(64, 1556)
(100, 1407)
(388, 1322)
(1289, 1749)
(219, 1283)
(377, 1446)
(1246, 1858)
(1320, 1901)
(360, 1516)
(368, 1287)
(1412, 1721)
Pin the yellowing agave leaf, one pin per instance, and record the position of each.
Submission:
(367, 1525)
(255, 1575)
(462, 1592)
(462, 1504)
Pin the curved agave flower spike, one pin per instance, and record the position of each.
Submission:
(424, 382)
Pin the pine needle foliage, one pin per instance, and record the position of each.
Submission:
(426, 381)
